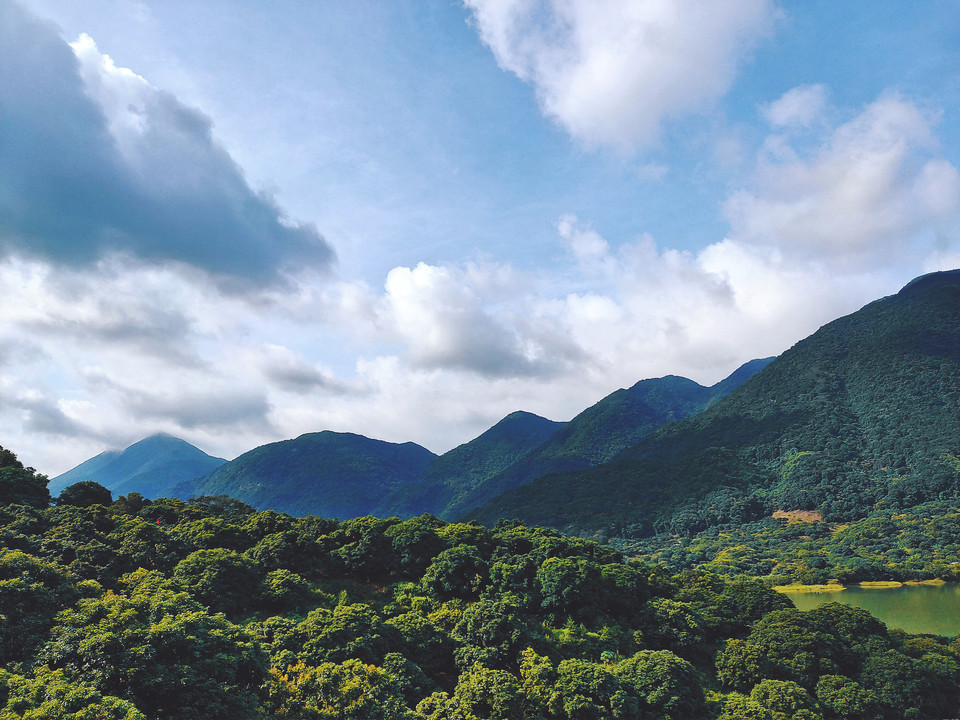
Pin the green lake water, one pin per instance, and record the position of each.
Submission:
(916, 609)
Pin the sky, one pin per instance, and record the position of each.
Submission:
(237, 222)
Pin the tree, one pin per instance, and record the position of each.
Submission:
(32, 591)
(459, 571)
(352, 690)
(223, 580)
(666, 685)
(84, 494)
(49, 693)
(786, 700)
(21, 485)
(160, 650)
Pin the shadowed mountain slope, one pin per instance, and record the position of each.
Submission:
(151, 467)
(458, 474)
(327, 473)
(605, 429)
(864, 412)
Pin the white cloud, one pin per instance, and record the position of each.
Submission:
(870, 194)
(798, 107)
(448, 317)
(612, 71)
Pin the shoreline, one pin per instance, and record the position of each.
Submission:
(835, 586)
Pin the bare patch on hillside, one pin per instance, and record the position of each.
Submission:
(795, 516)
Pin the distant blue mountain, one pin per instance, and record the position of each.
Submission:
(151, 467)
(326, 473)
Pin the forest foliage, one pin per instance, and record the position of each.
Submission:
(861, 416)
(209, 609)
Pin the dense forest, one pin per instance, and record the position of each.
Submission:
(131, 608)
(919, 543)
(863, 415)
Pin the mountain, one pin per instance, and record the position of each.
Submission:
(151, 467)
(457, 474)
(605, 429)
(864, 413)
(326, 473)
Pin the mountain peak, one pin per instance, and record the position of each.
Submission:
(931, 281)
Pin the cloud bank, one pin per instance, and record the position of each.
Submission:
(97, 161)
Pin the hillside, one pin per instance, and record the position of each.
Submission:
(151, 467)
(605, 429)
(326, 473)
(460, 472)
(862, 413)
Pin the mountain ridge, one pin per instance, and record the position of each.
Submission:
(863, 411)
(152, 467)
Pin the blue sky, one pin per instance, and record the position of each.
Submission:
(237, 222)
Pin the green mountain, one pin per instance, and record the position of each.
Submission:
(151, 467)
(603, 430)
(326, 473)
(863, 413)
(458, 474)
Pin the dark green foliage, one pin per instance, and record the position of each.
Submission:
(326, 473)
(32, 592)
(84, 494)
(862, 414)
(159, 650)
(221, 579)
(21, 485)
(51, 694)
(115, 615)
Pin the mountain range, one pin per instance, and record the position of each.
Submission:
(151, 467)
(346, 475)
(864, 413)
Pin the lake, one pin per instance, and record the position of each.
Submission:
(914, 608)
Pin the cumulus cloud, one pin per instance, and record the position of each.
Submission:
(874, 190)
(610, 72)
(448, 317)
(97, 161)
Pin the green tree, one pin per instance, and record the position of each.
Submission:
(352, 690)
(223, 580)
(786, 700)
(50, 694)
(32, 591)
(842, 698)
(84, 494)
(667, 686)
(159, 650)
(21, 485)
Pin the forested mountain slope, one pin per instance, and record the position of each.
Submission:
(866, 411)
(326, 473)
(605, 429)
(458, 473)
(151, 467)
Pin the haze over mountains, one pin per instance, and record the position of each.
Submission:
(151, 467)
(345, 475)
(862, 414)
